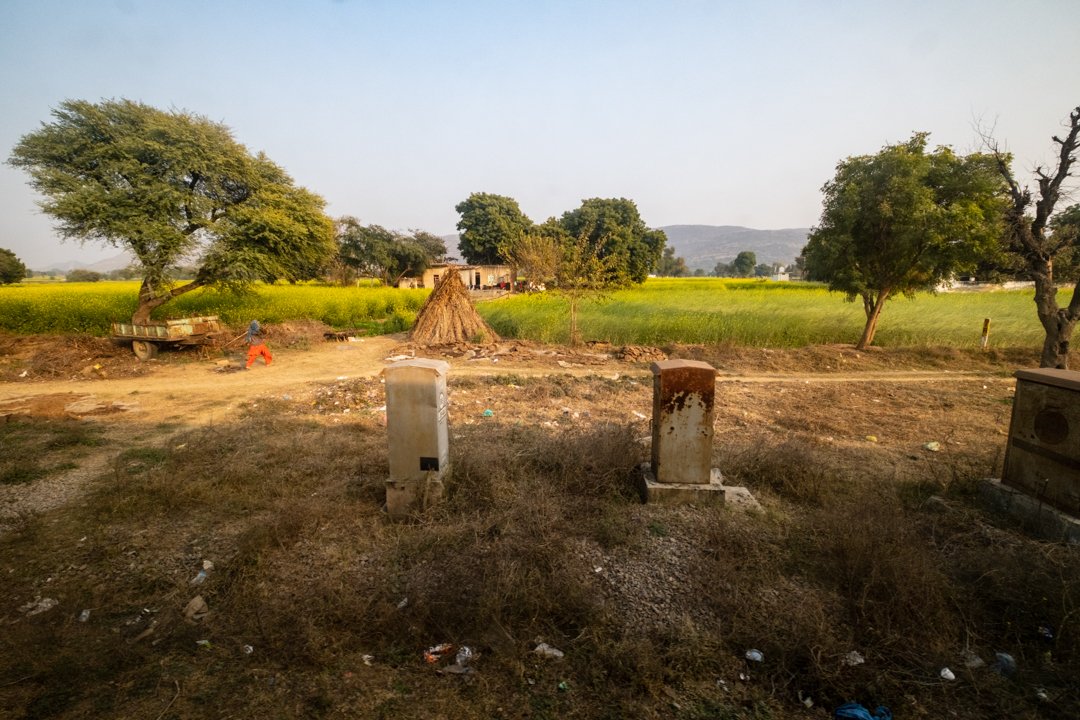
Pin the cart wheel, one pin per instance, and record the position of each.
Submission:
(144, 349)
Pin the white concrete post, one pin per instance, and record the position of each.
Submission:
(417, 432)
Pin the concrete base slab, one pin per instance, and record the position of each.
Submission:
(1041, 519)
(713, 492)
(405, 497)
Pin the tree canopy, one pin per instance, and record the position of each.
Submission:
(373, 251)
(173, 188)
(489, 226)
(671, 266)
(12, 269)
(901, 221)
(1044, 247)
(629, 250)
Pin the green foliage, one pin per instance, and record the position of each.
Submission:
(761, 313)
(91, 308)
(903, 220)
(489, 226)
(12, 269)
(375, 252)
(629, 249)
(671, 266)
(170, 186)
(82, 275)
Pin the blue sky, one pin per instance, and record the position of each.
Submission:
(394, 111)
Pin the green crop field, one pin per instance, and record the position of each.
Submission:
(689, 310)
(92, 307)
(769, 314)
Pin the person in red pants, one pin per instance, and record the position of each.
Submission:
(256, 346)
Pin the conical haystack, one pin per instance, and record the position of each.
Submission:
(448, 316)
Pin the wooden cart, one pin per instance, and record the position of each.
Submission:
(147, 339)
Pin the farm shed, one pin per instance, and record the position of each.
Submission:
(474, 277)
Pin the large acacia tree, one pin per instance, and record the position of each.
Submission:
(173, 188)
(902, 221)
(1045, 247)
(373, 251)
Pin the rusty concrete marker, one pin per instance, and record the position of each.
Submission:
(684, 396)
(416, 429)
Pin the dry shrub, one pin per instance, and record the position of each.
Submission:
(898, 597)
(585, 461)
(794, 469)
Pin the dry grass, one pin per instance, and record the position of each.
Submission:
(541, 537)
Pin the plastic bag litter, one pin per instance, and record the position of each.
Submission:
(754, 655)
(855, 711)
(547, 651)
(854, 658)
(1004, 664)
(437, 652)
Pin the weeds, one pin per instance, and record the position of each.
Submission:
(540, 537)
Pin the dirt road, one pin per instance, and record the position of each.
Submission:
(200, 392)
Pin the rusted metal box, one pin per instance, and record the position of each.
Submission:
(1042, 458)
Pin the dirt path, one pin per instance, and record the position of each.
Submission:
(196, 393)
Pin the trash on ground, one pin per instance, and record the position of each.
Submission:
(871, 438)
(933, 446)
(248, 649)
(1046, 632)
(854, 658)
(204, 644)
(947, 674)
(196, 609)
(1004, 664)
(368, 659)
(642, 416)
(464, 655)
(403, 604)
(39, 605)
(436, 653)
(755, 655)
(84, 616)
(972, 661)
(855, 711)
(547, 651)
(564, 686)
(488, 413)
(199, 579)
(1042, 695)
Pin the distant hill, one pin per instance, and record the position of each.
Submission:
(116, 262)
(702, 246)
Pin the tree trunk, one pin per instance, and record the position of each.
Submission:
(150, 301)
(873, 312)
(575, 336)
(1058, 323)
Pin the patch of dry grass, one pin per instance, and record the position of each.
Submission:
(540, 537)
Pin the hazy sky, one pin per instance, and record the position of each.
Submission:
(726, 113)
